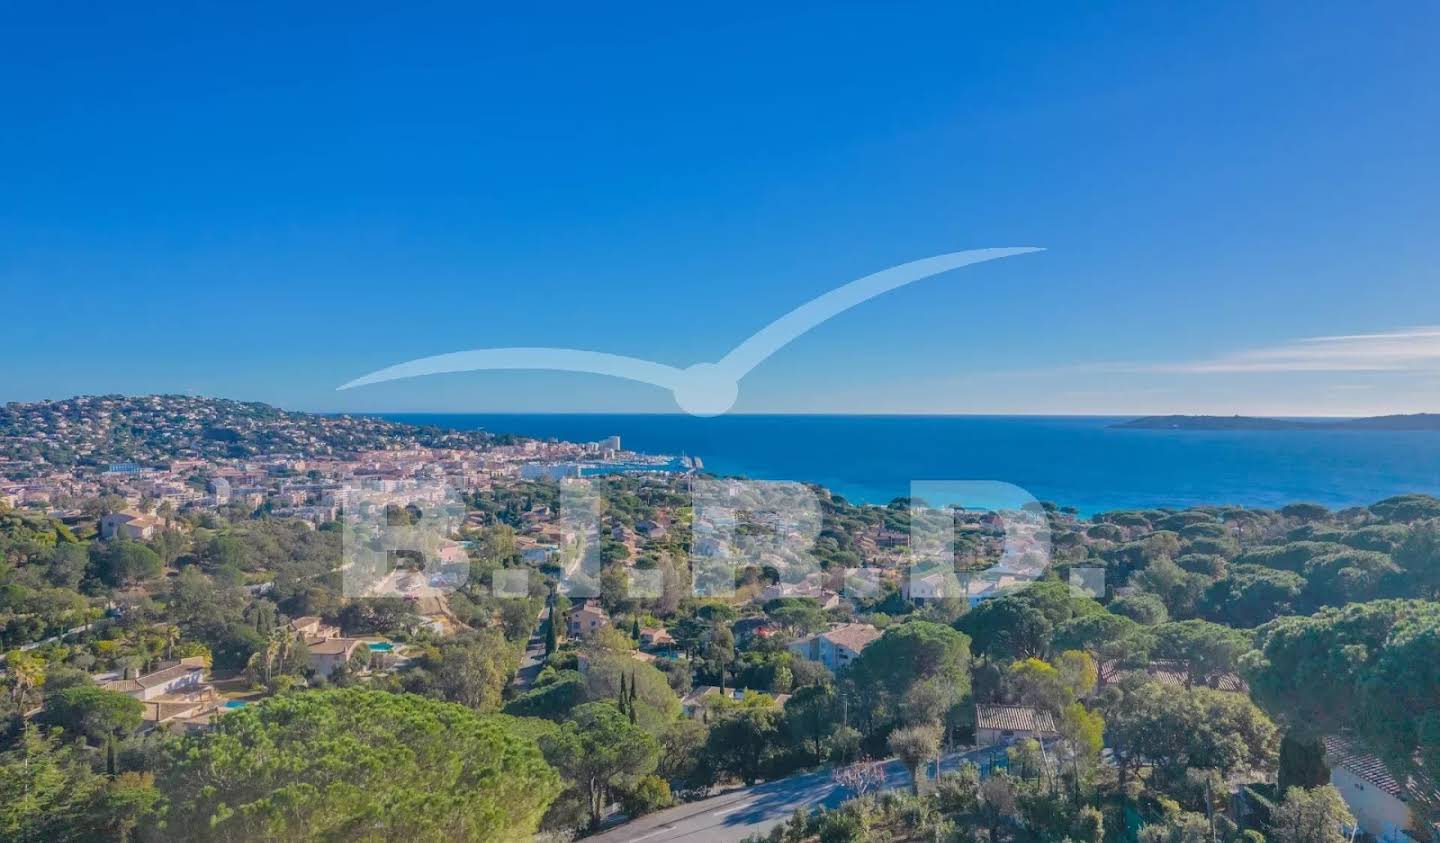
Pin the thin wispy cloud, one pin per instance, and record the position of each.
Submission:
(1403, 350)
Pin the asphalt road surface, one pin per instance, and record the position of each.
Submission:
(534, 659)
(755, 810)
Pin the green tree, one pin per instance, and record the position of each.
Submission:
(651, 793)
(1302, 762)
(48, 792)
(1419, 556)
(1180, 827)
(1205, 650)
(647, 690)
(1082, 733)
(1371, 667)
(915, 746)
(122, 563)
(1175, 728)
(742, 742)
(1317, 815)
(1113, 641)
(1143, 608)
(908, 653)
(811, 714)
(94, 713)
(45, 787)
(600, 751)
(356, 765)
(1252, 594)
(1089, 826)
(474, 669)
(1407, 508)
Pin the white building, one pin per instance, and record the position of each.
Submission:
(1380, 802)
(128, 525)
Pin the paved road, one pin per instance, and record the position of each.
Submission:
(755, 810)
(534, 659)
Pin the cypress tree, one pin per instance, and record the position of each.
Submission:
(1302, 762)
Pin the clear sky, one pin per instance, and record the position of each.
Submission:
(263, 202)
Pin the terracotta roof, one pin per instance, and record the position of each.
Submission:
(160, 677)
(1173, 673)
(1360, 762)
(1013, 718)
(856, 636)
(124, 686)
(587, 608)
(658, 635)
(332, 646)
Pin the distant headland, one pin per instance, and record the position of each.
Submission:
(1416, 421)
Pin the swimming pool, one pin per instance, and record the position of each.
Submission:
(381, 646)
(231, 705)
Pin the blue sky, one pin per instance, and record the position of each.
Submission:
(266, 202)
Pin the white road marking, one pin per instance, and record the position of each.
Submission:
(732, 810)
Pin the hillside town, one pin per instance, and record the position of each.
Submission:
(659, 644)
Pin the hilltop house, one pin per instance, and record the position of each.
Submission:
(586, 619)
(656, 637)
(1380, 802)
(175, 691)
(132, 526)
(327, 654)
(327, 648)
(837, 647)
(310, 626)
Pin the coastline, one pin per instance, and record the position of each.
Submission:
(1075, 461)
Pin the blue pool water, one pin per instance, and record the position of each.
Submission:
(381, 646)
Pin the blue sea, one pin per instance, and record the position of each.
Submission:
(1074, 461)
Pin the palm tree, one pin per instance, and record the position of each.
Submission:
(27, 673)
(170, 633)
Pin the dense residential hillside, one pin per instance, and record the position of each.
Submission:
(98, 430)
(1178, 670)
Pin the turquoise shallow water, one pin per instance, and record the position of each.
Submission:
(1075, 461)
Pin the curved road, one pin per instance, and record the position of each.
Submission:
(738, 814)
